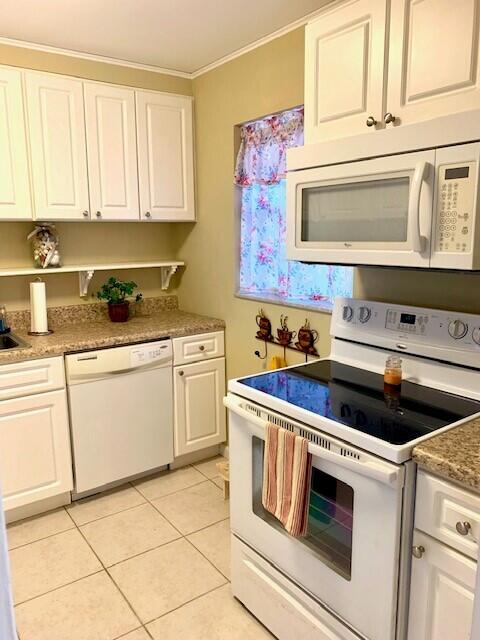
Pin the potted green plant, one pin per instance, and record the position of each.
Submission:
(115, 292)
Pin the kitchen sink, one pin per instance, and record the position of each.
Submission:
(10, 341)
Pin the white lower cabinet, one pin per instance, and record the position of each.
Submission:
(442, 592)
(444, 566)
(199, 413)
(35, 459)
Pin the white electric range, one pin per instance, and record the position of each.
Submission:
(348, 578)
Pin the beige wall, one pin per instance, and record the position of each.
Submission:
(266, 80)
(260, 82)
(88, 242)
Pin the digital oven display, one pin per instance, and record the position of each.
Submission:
(407, 318)
(456, 172)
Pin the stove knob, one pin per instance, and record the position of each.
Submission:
(457, 329)
(364, 314)
(476, 335)
(347, 313)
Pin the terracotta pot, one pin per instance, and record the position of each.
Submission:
(118, 311)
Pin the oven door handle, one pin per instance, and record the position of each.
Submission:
(419, 176)
(380, 471)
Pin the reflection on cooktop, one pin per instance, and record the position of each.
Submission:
(359, 399)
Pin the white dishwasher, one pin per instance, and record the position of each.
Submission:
(121, 412)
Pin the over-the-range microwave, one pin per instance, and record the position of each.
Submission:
(408, 209)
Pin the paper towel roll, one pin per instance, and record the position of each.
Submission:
(38, 307)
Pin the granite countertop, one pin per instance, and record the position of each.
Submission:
(85, 327)
(454, 454)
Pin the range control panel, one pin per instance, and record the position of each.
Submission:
(375, 323)
(455, 207)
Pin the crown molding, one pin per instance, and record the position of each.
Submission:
(93, 57)
(171, 72)
(301, 22)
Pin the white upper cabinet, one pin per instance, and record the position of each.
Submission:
(431, 49)
(57, 146)
(433, 65)
(112, 152)
(165, 156)
(344, 70)
(15, 202)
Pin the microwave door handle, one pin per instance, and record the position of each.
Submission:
(421, 171)
(382, 472)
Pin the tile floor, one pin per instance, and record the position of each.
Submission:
(149, 560)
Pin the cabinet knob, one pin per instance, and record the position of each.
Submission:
(181, 373)
(85, 214)
(148, 214)
(99, 214)
(463, 528)
(371, 122)
(389, 117)
(201, 347)
(418, 551)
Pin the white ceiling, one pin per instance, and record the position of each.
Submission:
(181, 35)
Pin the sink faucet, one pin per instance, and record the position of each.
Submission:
(4, 328)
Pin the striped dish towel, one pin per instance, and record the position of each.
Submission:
(287, 471)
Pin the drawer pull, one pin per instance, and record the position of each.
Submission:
(181, 373)
(201, 347)
(463, 528)
(418, 551)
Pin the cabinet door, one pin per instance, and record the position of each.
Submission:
(57, 145)
(15, 202)
(112, 152)
(165, 156)
(442, 592)
(199, 412)
(344, 70)
(433, 65)
(35, 460)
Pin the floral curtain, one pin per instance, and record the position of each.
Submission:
(260, 172)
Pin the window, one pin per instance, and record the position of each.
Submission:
(264, 271)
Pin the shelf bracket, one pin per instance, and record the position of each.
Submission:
(84, 279)
(166, 275)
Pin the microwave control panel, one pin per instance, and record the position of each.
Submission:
(455, 207)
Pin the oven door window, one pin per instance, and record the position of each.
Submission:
(366, 211)
(330, 518)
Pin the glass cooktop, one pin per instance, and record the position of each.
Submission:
(359, 399)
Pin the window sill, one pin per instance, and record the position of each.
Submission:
(320, 307)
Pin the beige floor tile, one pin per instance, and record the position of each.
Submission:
(161, 580)
(138, 634)
(128, 533)
(214, 543)
(104, 504)
(50, 563)
(90, 609)
(38, 527)
(218, 481)
(209, 467)
(214, 616)
(168, 482)
(194, 508)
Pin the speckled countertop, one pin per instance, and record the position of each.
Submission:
(454, 454)
(84, 327)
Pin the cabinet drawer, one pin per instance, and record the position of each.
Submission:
(200, 347)
(287, 611)
(33, 376)
(440, 506)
